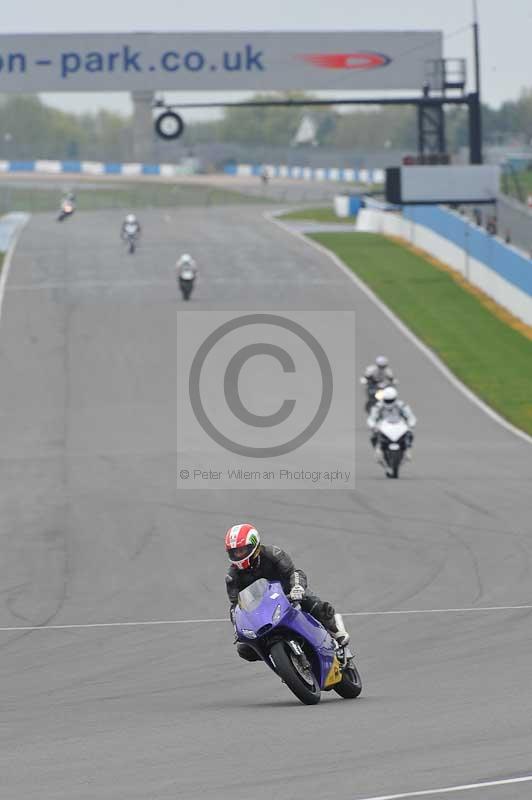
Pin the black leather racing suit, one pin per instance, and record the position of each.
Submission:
(275, 564)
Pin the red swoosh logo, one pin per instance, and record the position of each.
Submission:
(346, 60)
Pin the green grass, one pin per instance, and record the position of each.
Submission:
(489, 356)
(322, 214)
(524, 179)
(134, 195)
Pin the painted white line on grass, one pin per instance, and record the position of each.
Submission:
(449, 789)
(271, 216)
(153, 622)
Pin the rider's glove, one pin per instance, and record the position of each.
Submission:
(232, 616)
(297, 593)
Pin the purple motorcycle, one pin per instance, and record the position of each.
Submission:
(294, 644)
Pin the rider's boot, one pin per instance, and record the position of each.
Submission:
(338, 631)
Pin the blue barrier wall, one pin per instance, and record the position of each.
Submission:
(507, 262)
(81, 167)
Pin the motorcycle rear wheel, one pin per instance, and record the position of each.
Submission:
(309, 695)
(351, 684)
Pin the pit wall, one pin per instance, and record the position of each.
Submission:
(500, 270)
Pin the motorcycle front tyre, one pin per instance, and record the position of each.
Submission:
(394, 460)
(310, 696)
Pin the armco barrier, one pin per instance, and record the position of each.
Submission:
(337, 174)
(501, 271)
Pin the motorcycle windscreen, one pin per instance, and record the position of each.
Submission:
(250, 598)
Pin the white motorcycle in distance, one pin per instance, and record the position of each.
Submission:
(186, 271)
(129, 235)
(392, 433)
(186, 282)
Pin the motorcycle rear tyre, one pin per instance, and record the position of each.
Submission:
(351, 684)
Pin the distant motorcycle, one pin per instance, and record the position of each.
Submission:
(392, 438)
(373, 391)
(66, 210)
(294, 644)
(186, 282)
(130, 236)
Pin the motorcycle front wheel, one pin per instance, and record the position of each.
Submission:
(302, 682)
(394, 459)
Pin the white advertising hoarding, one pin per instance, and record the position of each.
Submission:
(347, 60)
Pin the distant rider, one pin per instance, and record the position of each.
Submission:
(378, 373)
(390, 407)
(186, 264)
(130, 227)
(250, 561)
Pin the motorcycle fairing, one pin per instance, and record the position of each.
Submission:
(257, 618)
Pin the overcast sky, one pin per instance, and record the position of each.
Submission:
(506, 29)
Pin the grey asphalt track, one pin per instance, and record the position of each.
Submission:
(92, 530)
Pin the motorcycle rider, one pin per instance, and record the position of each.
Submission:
(251, 560)
(68, 204)
(389, 407)
(379, 372)
(130, 226)
(186, 264)
(376, 377)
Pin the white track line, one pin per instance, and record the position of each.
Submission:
(7, 260)
(433, 358)
(449, 789)
(153, 622)
(435, 611)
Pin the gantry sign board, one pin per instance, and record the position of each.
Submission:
(344, 60)
(417, 185)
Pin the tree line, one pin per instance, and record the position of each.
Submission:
(29, 128)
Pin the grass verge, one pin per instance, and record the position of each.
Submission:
(484, 352)
(524, 179)
(321, 214)
(130, 195)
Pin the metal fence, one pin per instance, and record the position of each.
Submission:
(514, 222)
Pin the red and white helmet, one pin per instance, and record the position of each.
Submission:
(242, 543)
